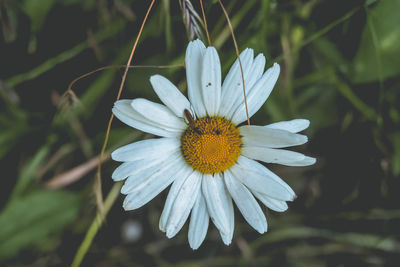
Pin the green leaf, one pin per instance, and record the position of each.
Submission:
(379, 54)
(28, 220)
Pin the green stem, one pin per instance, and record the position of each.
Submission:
(95, 226)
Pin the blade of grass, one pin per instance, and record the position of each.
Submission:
(224, 34)
(62, 57)
(346, 91)
(375, 42)
(95, 226)
(324, 30)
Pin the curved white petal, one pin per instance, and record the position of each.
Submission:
(258, 94)
(293, 126)
(170, 95)
(158, 113)
(183, 204)
(211, 81)
(267, 137)
(246, 203)
(249, 164)
(132, 168)
(258, 178)
(217, 200)
(146, 149)
(152, 186)
(181, 177)
(124, 112)
(199, 221)
(194, 62)
(272, 203)
(232, 88)
(280, 156)
(251, 77)
(307, 161)
(227, 237)
(139, 178)
(256, 71)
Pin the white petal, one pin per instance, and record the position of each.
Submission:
(211, 81)
(152, 186)
(146, 149)
(246, 203)
(267, 137)
(280, 156)
(232, 88)
(140, 178)
(293, 126)
(257, 70)
(272, 203)
(193, 61)
(198, 225)
(134, 167)
(158, 113)
(170, 95)
(183, 204)
(181, 177)
(227, 238)
(217, 200)
(258, 94)
(124, 112)
(249, 164)
(307, 161)
(258, 178)
(251, 77)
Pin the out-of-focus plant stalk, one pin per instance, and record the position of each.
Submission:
(191, 20)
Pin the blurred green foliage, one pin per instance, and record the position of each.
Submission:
(378, 56)
(31, 218)
(31, 213)
(340, 69)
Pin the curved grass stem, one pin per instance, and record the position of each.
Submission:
(95, 226)
(97, 183)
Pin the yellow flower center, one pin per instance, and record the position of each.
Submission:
(211, 144)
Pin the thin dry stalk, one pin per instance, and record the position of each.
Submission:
(238, 57)
(97, 184)
(73, 175)
(205, 22)
(69, 98)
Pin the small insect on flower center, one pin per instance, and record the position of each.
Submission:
(210, 144)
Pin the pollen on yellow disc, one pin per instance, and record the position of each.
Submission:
(211, 144)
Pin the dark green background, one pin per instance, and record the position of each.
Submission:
(340, 65)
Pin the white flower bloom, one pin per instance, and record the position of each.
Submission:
(203, 152)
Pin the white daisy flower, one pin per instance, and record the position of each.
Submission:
(203, 152)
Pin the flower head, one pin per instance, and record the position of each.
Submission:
(203, 151)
